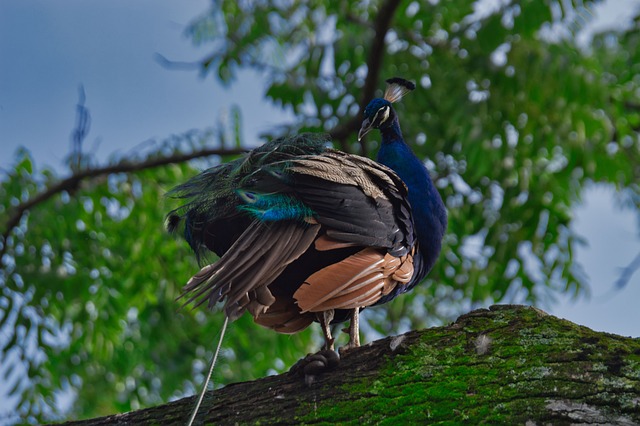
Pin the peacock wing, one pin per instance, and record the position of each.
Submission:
(359, 203)
(356, 199)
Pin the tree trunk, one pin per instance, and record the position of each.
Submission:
(503, 365)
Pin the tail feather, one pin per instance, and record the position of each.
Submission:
(251, 264)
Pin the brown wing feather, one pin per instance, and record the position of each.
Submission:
(355, 282)
(404, 272)
(330, 281)
(368, 288)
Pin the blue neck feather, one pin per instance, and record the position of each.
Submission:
(430, 217)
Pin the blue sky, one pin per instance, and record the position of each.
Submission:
(48, 49)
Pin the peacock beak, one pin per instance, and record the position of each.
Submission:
(366, 127)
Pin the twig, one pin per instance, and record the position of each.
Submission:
(627, 272)
(74, 180)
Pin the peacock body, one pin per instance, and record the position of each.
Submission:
(308, 233)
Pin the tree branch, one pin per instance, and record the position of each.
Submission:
(72, 182)
(374, 64)
(503, 365)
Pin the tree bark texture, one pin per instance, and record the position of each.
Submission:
(503, 365)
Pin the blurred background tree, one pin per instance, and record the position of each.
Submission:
(512, 116)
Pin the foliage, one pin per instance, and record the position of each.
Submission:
(513, 122)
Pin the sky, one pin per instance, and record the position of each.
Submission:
(49, 49)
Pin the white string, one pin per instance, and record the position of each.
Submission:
(206, 381)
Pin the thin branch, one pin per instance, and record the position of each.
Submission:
(627, 272)
(631, 105)
(374, 64)
(79, 134)
(72, 182)
(176, 65)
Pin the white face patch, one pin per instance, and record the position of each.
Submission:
(381, 116)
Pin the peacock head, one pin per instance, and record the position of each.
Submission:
(379, 112)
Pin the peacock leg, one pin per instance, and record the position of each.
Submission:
(354, 331)
(325, 319)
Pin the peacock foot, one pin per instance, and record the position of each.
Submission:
(342, 350)
(316, 364)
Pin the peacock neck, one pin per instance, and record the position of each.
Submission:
(430, 218)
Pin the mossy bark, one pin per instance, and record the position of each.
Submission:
(503, 365)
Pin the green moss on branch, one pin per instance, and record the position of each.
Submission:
(503, 365)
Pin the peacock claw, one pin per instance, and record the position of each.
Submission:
(315, 364)
(342, 350)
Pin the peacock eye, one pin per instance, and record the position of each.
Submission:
(247, 196)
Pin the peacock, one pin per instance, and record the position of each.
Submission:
(306, 233)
